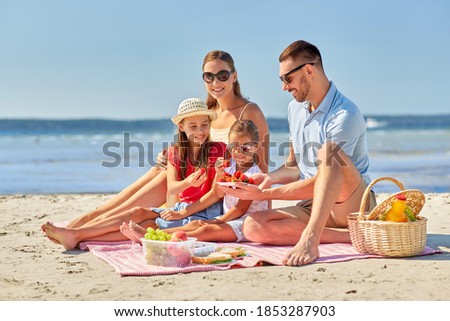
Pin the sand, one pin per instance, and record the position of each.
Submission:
(35, 269)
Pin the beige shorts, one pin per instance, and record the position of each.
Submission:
(338, 216)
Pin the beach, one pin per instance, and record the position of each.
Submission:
(35, 269)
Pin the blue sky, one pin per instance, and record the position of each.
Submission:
(139, 59)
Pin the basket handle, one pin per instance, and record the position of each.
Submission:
(366, 194)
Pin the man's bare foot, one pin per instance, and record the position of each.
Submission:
(304, 252)
(137, 230)
(124, 229)
(61, 235)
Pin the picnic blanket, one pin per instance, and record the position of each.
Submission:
(127, 258)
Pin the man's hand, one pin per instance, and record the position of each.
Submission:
(262, 180)
(244, 191)
(304, 252)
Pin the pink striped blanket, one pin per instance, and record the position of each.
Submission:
(127, 258)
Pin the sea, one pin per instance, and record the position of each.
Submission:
(39, 156)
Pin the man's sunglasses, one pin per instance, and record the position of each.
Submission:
(222, 75)
(246, 148)
(285, 78)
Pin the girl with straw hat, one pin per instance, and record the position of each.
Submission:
(190, 175)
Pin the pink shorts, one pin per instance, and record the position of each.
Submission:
(338, 216)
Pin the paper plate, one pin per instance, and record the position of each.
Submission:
(226, 184)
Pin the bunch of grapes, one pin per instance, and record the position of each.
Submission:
(157, 235)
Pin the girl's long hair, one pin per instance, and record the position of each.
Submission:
(211, 102)
(182, 148)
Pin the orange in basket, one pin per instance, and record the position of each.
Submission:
(396, 239)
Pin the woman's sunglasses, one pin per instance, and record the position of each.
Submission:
(222, 75)
(248, 148)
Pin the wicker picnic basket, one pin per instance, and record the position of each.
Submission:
(369, 235)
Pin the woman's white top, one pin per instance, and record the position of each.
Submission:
(221, 134)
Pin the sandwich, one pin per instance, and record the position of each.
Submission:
(220, 256)
(234, 252)
(213, 258)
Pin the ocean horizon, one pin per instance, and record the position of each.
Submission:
(47, 156)
(18, 126)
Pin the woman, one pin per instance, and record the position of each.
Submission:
(225, 98)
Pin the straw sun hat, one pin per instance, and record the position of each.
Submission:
(193, 107)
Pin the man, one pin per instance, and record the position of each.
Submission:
(328, 155)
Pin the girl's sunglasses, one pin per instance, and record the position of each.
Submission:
(222, 75)
(248, 148)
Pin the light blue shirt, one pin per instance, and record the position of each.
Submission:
(336, 119)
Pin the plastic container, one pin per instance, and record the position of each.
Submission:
(170, 254)
(203, 248)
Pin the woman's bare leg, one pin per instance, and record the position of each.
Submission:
(148, 191)
(70, 237)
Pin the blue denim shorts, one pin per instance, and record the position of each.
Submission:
(208, 213)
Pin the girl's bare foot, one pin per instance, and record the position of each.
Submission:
(137, 230)
(127, 232)
(61, 235)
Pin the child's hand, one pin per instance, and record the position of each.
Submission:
(197, 178)
(220, 165)
(222, 162)
(161, 159)
(171, 215)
